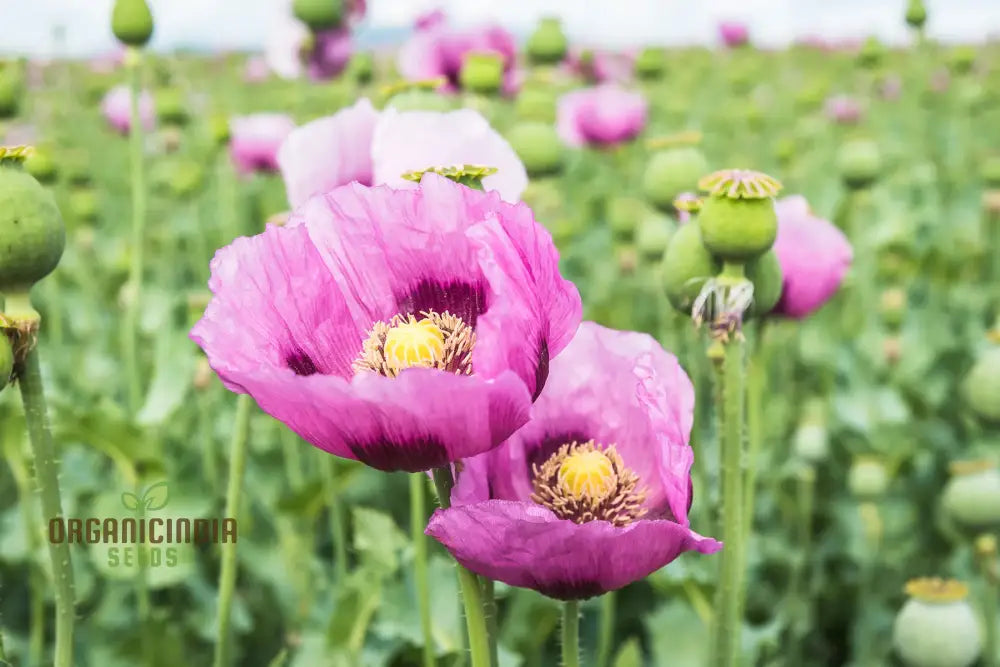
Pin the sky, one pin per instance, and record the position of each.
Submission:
(28, 25)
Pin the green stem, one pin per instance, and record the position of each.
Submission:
(131, 320)
(490, 607)
(336, 519)
(418, 519)
(291, 451)
(47, 477)
(729, 627)
(756, 386)
(227, 571)
(142, 596)
(991, 612)
(605, 632)
(798, 598)
(475, 619)
(571, 634)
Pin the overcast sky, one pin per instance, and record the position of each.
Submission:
(27, 25)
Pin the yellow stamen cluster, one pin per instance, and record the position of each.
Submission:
(582, 482)
(437, 340)
(934, 589)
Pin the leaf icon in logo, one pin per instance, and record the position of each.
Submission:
(156, 496)
(130, 501)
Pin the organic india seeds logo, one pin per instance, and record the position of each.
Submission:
(141, 531)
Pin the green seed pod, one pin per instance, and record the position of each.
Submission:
(482, 73)
(362, 67)
(972, 496)
(171, 107)
(539, 147)
(623, 216)
(83, 204)
(319, 15)
(872, 53)
(916, 14)
(671, 172)
(961, 59)
(936, 627)
(652, 237)
(651, 63)
(867, 479)
(687, 265)
(536, 103)
(6, 361)
(132, 22)
(10, 94)
(982, 386)
(811, 442)
(860, 163)
(737, 219)
(548, 43)
(41, 165)
(218, 126)
(32, 230)
(765, 274)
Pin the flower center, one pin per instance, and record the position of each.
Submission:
(437, 340)
(583, 482)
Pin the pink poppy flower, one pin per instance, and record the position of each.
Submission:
(117, 109)
(843, 109)
(403, 328)
(292, 51)
(599, 66)
(430, 20)
(370, 147)
(256, 70)
(254, 140)
(593, 493)
(602, 116)
(734, 33)
(814, 256)
(440, 51)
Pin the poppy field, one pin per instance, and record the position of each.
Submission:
(500, 350)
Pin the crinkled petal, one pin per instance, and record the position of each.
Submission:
(618, 388)
(275, 306)
(526, 545)
(422, 419)
(413, 140)
(328, 152)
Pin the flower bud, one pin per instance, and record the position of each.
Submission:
(961, 59)
(83, 204)
(765, 274)
(672, 172)
(936, 627)
(539, 147)
(860, 163)
(32, 230)
(547, 44)
(6, 361)
(41, 165)
(872, 53)
(738, 221)
(171, 107)
(482, 73)
(982, 386)
(893, 306)
(971, 497)
(687, 265)
(319, 15)
(916, 14)
(867, 479)
(651, 63)
(652, 237)
(132, 22)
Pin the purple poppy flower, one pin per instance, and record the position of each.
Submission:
(843, 109)
(403, 328)
(734, 33)
(292, 50)
(599, 66)
(254, 140)
(593, 493)
(117, 109)
(601, 116)
(814, 256)
(430, 20)
(361, 144)
(440, 51)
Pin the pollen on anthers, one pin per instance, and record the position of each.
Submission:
(583, 482)
(436, 340)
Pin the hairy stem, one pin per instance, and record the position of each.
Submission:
(571, 634)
